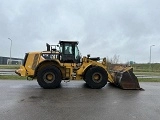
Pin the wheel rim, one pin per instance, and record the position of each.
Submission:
(49, 77)
(97, 77)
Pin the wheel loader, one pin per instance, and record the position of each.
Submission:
(64, 62)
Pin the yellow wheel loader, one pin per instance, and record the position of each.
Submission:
(64, 62)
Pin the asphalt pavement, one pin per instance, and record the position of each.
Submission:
(25, 100)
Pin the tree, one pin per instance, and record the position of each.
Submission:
(115, 59)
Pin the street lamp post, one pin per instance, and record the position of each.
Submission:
(150, 58)
(10, 50)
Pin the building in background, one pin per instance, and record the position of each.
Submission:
(12, 61)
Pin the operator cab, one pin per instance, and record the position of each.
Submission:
(69, 52)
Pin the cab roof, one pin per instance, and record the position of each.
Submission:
(68, 41)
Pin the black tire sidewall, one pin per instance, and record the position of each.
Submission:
(53, 84)
(90, 82)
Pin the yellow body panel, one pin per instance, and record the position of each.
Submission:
(21, 71)
(31, 63)
(86, 62)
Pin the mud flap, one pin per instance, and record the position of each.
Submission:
(126, 80)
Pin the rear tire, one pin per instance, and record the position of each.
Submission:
(96, 77)
(49, 77)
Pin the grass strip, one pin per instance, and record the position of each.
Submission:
(12, 77)
(149, 79)
(9, 66)
(147, 73)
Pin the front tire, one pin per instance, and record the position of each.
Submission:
(96, 77)
(49, 77)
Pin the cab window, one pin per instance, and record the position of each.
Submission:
(68, 49)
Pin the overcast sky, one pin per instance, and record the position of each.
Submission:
(104, 28)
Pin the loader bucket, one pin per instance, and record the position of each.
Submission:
(126, 80)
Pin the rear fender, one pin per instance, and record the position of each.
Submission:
(46, 63)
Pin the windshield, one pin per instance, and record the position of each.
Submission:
(77, 53)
